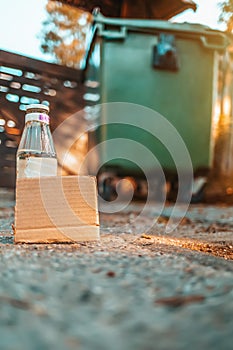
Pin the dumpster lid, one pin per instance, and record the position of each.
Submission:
(160, 25)
(210, 38)
(151, 9)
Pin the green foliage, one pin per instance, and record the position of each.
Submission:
(227, 14)
(64, 33)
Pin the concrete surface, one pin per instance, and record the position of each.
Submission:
(135, 289)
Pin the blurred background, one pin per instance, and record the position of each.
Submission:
(74, 55)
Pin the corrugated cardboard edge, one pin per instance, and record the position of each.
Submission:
(53, 235)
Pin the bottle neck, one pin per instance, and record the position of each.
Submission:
(37, 138)
(36, 123)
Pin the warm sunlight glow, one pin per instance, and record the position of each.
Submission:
(216, 114)
(227, 105)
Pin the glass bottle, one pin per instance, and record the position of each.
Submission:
(36, 154)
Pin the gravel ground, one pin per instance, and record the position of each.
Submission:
(134, 289)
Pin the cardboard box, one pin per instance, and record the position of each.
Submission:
(56, 209)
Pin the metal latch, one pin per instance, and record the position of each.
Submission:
(165, 53)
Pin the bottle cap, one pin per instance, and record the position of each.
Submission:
(37, 112)
(37, 107)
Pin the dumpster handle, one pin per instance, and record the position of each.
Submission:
(112, 34)
(213, 46)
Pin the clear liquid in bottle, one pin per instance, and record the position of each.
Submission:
(36, 154)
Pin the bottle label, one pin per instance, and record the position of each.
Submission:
(35, 116)
(36, 167)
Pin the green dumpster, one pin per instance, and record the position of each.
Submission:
(171, 68)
